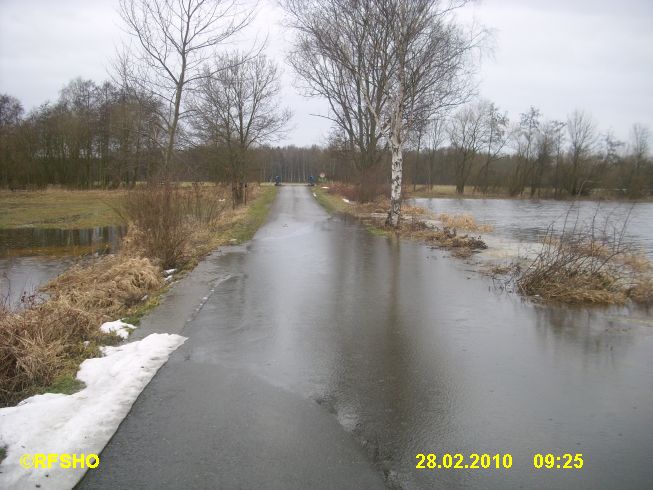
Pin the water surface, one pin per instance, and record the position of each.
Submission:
(29, 257)
(528, 220)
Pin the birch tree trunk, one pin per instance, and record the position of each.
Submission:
(395, 184)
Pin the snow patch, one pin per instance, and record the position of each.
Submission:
(169, 272)
(346, 200)
(82, 422)
(118, 327)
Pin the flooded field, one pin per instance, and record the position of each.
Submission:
(528, 220)
(30, 257)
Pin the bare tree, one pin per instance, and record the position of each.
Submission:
(11, 112)
(640, 141)
(582, 140)
(356, 131)
(411, 51)
(468, 133)
(496, 138)
(175, 38)
(524, 136)
(547, 150)
(436, 137)
(236, 107)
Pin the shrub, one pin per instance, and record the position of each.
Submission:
(587, 265)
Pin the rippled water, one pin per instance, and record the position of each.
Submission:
(528, 220)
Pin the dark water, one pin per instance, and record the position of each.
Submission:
(527, 220)
(29, 257)
(45, 241)
(409, 351)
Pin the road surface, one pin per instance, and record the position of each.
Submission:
(325, 357)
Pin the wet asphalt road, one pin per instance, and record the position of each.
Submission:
(325, 357)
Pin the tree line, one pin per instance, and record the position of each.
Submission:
(398, 79)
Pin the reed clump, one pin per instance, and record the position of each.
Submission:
(585, 265)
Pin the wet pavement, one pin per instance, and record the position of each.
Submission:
(322, 356)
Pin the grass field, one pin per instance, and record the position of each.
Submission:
(58, 208)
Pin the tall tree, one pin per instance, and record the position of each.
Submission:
(468, 133)
(410, 51)
(175, 39)
(237, 107)
(582, 140)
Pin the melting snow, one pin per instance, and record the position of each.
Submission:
(84, 421)
(119, 327)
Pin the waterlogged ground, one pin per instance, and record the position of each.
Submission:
(325, 357)
(29, 257)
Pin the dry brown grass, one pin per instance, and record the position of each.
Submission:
(107, 286)
(461, 245)
(587, 266)
(414, 224)
(49, 338)
(465, 222)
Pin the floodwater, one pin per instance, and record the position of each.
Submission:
(29, 257)
(528, 220)
(408, 350)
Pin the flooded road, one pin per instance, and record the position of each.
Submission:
(327, 357)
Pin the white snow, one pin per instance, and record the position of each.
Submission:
(346, 200)
(81, 423)
(169, 272)
(119, 327)
(324, 187)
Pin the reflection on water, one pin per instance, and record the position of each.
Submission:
(414, 354)
(29, 257)
(528, 220)
(20, 242)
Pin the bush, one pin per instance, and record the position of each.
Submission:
(162, 219)
(587, 265)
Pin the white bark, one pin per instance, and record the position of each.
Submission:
(395, 185)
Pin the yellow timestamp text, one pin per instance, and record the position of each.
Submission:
(558, 461)
(459, 461)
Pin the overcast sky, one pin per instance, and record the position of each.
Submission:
(558, 55)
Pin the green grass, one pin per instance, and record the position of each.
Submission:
(256, 215)
(66, 384)
(331, 202)
(58, 208)
(137, 313)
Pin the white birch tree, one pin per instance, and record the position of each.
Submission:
(414, 54)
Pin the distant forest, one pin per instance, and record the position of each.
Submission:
(101, 136)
